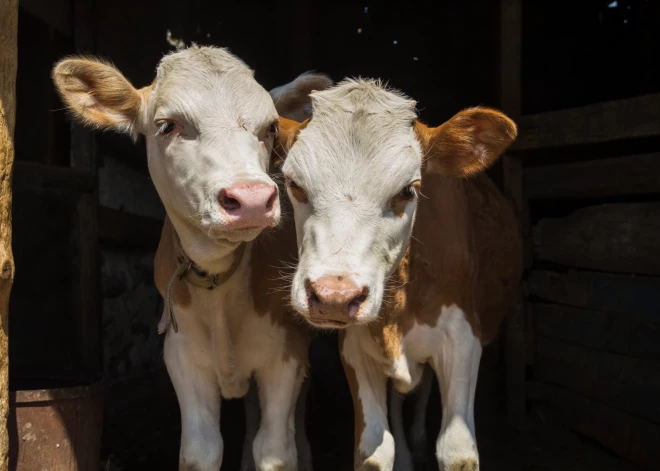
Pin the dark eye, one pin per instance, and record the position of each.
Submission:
(272, 129)
(166, 127)
(400, 201)
(407, 192)
(296, 191)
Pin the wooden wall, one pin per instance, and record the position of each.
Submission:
(592, 183)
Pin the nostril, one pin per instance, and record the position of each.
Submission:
(227, 202)
(271, 201)
(356, 303)
(314, 299)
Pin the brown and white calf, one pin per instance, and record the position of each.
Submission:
(209, 129)
(414, 261)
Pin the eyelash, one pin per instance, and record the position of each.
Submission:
(166, 127)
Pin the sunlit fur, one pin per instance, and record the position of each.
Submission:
(357, 152)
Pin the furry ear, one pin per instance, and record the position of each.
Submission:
(470, 142)
(288, 130)
(292, 100)
(99, 95)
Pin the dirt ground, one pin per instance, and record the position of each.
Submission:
(141, 429)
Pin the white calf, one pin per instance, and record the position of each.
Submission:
(209, 129)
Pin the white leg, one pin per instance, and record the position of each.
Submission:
(418, 428)
(274, 447)
(403, 460)
(457, 368)
(374, 443)
(302, 443)
(252, 420)
(196, 386)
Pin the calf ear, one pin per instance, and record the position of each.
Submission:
(287, 131)
(467, 144)
(293, 99)
(99, 95)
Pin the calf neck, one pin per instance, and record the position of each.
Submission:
(209, 129)
(407, 248)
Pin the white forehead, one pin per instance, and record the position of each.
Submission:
(209, 79)
(359, 139)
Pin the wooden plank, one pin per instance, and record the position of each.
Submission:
(631, 437)
(620, 238)
(56, 13)
(39, 177)
(129, 229)
(510, 98)
(638, 296)
(623, 382)
(632, 175)
(612, 332)
(8, 68)
(608, 121)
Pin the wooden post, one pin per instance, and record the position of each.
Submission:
(8, 67)
(510, 98)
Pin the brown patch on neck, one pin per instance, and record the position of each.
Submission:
(465, 251)
(351, 377)
(273, 254)
(165, 264)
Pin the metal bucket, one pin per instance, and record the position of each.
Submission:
(56, 429)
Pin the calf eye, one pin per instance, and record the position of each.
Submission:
(272, 129)
(166, 127)
(296, 191)
(398, 203)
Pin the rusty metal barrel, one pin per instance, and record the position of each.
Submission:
(56, 429)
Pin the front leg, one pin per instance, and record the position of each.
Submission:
(274, 447)
(457, 367)
(374, 444)
(196, 386)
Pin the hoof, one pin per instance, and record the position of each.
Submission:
(464, 464)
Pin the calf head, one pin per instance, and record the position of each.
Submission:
(354, 173)
(209, 129)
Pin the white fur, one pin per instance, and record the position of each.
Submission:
(222, 138)
(454, 353)
(358, 151)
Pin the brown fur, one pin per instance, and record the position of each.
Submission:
(98, 93)
(273, 254)
(450, 148)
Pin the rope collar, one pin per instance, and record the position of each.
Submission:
(193, 274)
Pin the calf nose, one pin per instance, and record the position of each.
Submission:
(336, 298)
(249, 205)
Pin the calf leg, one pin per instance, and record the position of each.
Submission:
(374, 444)
(274, 447)
(196, 386)
(457, 368)
(252, 419)
(403, 460)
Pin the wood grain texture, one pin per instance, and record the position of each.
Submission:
(631, 175)
(626, 435)
(608, 121)
(620, 238)
(8, 68)
(612, 332)
(636, 296)
(625, 383)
